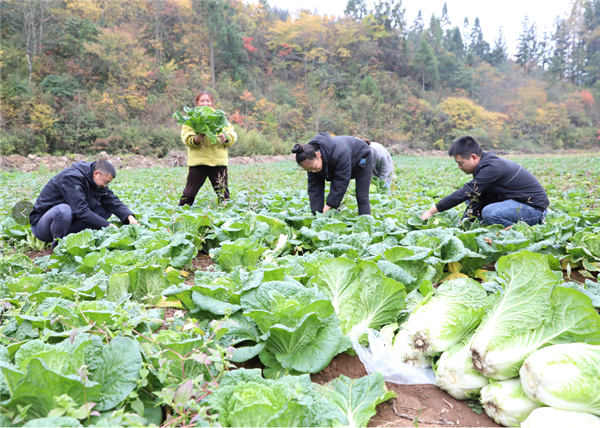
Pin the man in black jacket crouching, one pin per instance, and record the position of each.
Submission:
(501, 192)
(77, 198)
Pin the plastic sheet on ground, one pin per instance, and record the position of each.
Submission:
(379, 357)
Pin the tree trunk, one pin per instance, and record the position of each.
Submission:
(30, 44)
(305, 75)
(212, 59)
(30, 67)
(43, 20)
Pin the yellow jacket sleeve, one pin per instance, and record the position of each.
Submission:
(187, 135)
(231, 135)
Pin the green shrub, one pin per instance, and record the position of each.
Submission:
(137, 138)
(250, 143)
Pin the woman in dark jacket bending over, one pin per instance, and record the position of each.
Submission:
(336, 159)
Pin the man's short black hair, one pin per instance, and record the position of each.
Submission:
(106, 167)
(465, 147)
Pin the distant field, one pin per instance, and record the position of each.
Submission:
(424, 179)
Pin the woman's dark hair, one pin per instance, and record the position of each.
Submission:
(212, 100)
(304, 152)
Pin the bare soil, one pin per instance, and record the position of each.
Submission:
(201, 262)
(173, 159)
(576, 276)
(34, 254)
(437, 407)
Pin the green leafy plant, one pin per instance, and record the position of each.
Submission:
(203, 120)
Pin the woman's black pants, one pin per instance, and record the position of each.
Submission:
(363, 182)
(197, 175)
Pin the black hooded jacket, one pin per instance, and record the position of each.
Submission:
(341, 162)
(75, 187)
(496, 180)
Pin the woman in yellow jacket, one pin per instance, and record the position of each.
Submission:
(206, 160)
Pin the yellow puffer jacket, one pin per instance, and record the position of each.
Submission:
(206, 153)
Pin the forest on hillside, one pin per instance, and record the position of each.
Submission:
(83, 76)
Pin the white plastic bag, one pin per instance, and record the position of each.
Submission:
(379, 357)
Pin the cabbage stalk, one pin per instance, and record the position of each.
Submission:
(404, 352)
(505, 402)
(550, 417)
(456, 375)
(446, 316)
(565, 377)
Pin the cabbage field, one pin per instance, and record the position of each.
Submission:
(220, 314)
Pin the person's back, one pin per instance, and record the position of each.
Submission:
(383, 166)
(501, 191)
(338, 160)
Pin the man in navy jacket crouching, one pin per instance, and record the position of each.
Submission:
(501, 191)
(75, 199)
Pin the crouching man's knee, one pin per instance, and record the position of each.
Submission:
(63, 212)
(487, 215)
(494, 214)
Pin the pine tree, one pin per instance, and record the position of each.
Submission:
(592, 42)
(356, 9)
(465, 31)
(445, 19)
(427, 64)
(390, 14)
(418, 25)
(544, 50)
(557, 66)
(454, 42)
(527, 49)
(435, 34)
(499, 55)
(478, 46)
(224, 36)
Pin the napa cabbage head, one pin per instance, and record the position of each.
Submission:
(404, 352)
(550, 417)
(361, 295)
(564, 376)
(531, 314)
(505, 402)
(446, 316)
(455, 373)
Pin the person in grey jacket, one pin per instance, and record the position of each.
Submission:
(383, 165)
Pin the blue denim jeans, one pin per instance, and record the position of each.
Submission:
(510, 212)
(58, 222)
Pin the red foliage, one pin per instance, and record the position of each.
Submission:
(238, 118)
(247, 45)
(247, 96)
(287, 50)
(587, 98)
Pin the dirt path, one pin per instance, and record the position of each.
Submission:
(437, 407)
